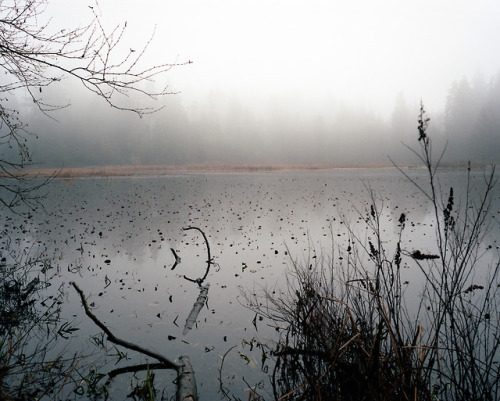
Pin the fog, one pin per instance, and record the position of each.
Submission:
(281, 82)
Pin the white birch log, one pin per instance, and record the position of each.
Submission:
(191, 320)
(186, 383)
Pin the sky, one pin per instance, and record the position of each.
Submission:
(352, 49)
(303, 56)
(363, 51)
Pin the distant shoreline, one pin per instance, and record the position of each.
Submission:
(158, 170)
(154, 170)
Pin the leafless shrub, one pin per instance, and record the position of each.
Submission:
(349, 332)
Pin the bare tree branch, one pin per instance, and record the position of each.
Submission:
(111, 337)
(34, 55)
(209, 258)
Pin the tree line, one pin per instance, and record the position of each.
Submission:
(223, 130)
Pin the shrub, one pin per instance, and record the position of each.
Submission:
(350, 330)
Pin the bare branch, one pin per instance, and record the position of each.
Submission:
(34, 55)
(209, 258)
(111, 337)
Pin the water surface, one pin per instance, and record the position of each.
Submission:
(113, 237)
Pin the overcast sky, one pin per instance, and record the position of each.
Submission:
(360, 51)
(289, 75)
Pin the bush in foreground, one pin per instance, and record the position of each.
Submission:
(352, 333)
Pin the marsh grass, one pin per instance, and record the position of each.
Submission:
(30, 327)
(349, 330)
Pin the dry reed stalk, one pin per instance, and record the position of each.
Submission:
(292, 391)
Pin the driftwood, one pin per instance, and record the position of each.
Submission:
(195, 311)
(200, 281)
(186, 384)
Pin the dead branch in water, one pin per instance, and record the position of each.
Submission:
(185, 381)
(195, 311)
(111, 337)
(134, 369)
(200, 281)
(186, 384)
(177, 259)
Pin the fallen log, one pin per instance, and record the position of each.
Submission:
(186, 383)
(195, 311)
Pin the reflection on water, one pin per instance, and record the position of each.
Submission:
(114, 238)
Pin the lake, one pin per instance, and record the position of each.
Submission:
(113, 237)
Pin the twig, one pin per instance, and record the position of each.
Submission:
(135, 368)
(222, 390)
(177, 259)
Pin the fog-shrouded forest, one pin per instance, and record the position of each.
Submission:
(221, 128)
(336, 83)
(222, 124)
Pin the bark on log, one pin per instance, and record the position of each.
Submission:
(186, 383)
(195, 311)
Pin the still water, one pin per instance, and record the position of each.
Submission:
(113, 237)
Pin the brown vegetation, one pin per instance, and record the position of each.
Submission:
(348, 330)
(153, 170)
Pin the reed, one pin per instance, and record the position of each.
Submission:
(348, 329)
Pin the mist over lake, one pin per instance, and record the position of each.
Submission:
(202, 198)
(113, 237)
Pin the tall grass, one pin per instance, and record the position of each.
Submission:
(349, 330)
(30, 327)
